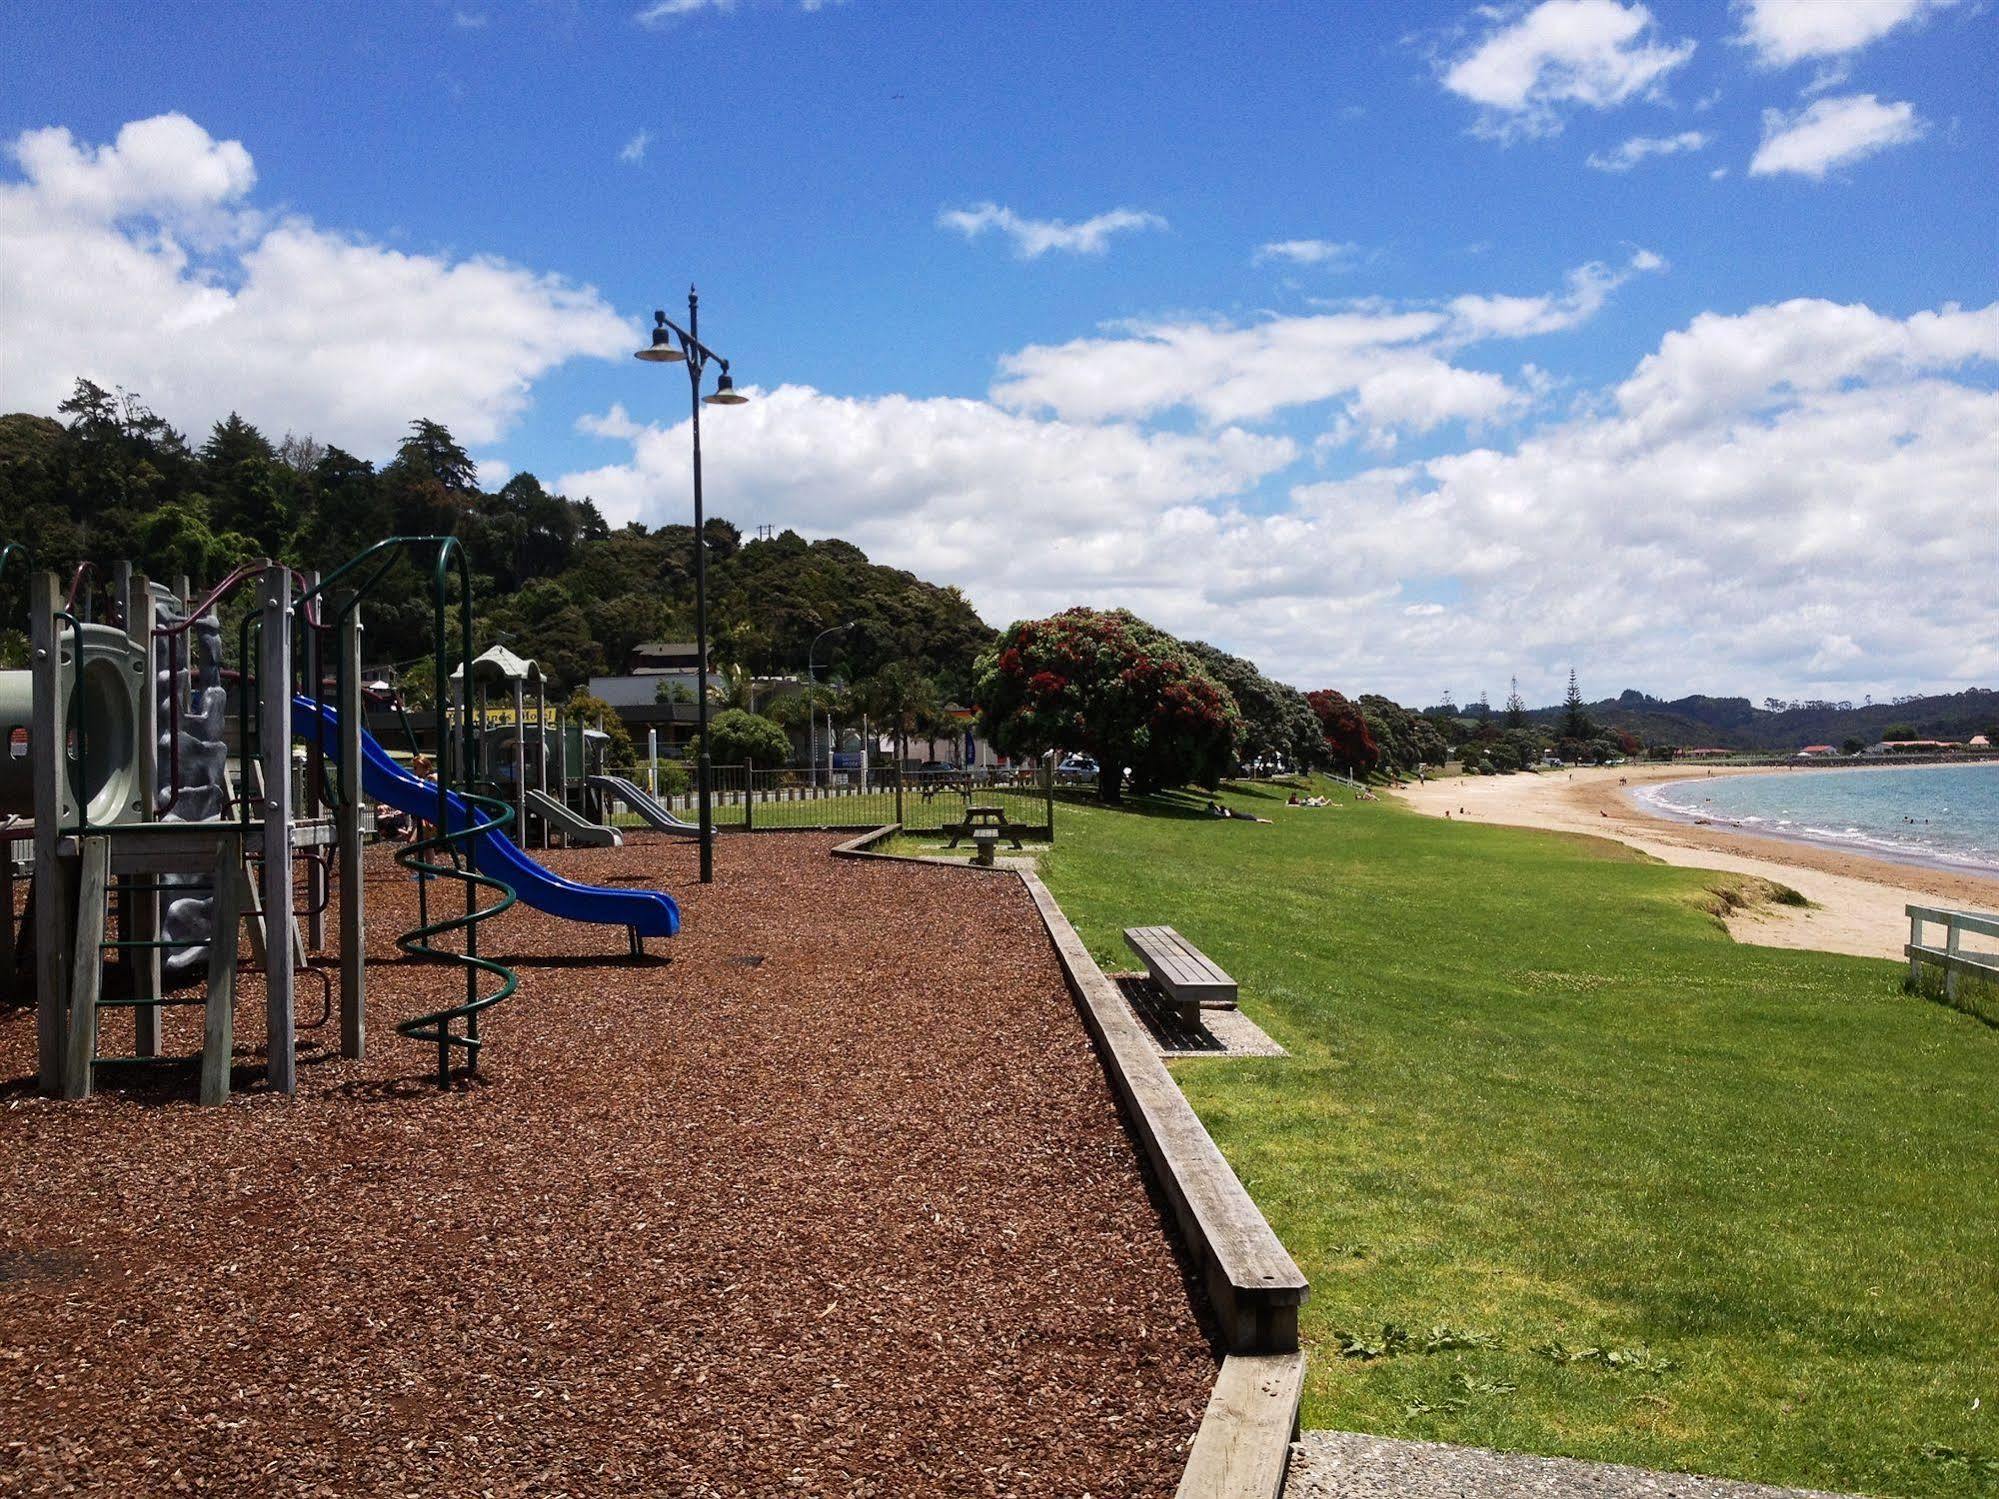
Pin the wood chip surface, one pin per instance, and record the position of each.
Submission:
(858, 1218)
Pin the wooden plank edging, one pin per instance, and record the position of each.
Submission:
(1244, 1445)
(1254, 1284)
(1242, 1448)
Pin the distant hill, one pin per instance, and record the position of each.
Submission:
(1737, 723)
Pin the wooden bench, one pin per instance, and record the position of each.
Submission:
(985, 842)
(1188, 976)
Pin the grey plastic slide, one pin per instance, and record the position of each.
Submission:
(573, 826)
(647, 806)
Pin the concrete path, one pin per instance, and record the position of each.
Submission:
(1342, 1465)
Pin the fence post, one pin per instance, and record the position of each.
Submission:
(1048, 795)
(749, 796)
(898, 792)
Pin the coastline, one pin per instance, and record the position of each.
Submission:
(1641, 796)
(1857, 899)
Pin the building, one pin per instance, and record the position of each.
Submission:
(1816, 752)
(652, 657)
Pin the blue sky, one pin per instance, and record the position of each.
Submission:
(1406, 483)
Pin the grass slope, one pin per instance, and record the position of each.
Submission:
(1536, 1095)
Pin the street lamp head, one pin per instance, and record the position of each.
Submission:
(726, 393)
(662, 350)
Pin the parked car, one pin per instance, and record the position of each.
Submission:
(1077, 768)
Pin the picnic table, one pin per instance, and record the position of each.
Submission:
(977, 818)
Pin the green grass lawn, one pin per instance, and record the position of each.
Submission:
(1537, 1098)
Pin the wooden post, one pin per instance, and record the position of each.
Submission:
(274, 672)
(219, 1020)
(1915, 940)
(1953, 935)
(139, 910)
(87, 964)
(353, 933)
(48, 748)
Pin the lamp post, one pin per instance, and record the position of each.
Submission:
(811, 721)
(673, 344)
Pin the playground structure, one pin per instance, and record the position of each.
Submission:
(119, 738)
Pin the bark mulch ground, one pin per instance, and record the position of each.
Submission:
(834, 1201)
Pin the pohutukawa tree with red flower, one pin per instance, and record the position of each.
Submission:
(1348, 741)
(1106, 683)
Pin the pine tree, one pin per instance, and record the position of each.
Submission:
(1516, 706)
(1575, 724)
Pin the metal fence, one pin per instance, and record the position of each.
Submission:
(922, 801)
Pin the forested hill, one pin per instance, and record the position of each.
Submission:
(1737, 723)
(112, 481)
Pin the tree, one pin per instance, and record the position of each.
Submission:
(1108, 683)
(1853, 746)
(1575, 722)
(1899, 733)
(1349, 743)
(590, 712)
(901, 697)
(1516, 705)
(1277, 722)
(738, 737)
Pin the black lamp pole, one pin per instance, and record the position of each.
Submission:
(672, 344)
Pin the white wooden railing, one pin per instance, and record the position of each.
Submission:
(1951, 956)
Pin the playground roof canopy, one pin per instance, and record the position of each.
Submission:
(498, 664)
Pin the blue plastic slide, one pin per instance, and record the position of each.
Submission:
(650, 913)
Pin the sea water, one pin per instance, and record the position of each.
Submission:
(1946, 815)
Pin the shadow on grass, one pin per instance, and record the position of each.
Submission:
(1180, 804)
(1978, 1000)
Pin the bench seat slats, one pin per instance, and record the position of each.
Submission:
(1188, 975)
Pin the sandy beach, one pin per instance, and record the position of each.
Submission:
(1856, 901)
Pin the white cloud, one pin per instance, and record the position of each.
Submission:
(1783, 32)
(469, 20)
(1033, 238)
(1742, 513)
(1829, 133)
(662, 11)
(955, 489)
(1338, 254)
(1639, 147)
(1390, 364)
(142, 264)
(634, 150)
(1592, 53)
